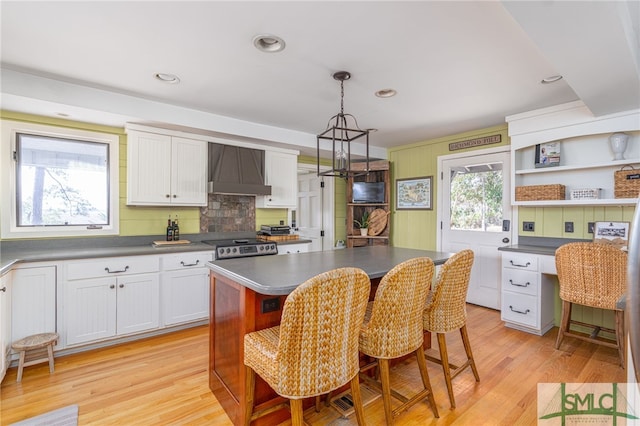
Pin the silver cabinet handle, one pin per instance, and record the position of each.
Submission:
(189, 264)
(3, 289)
(520, 266)
(112, 286)
(121, 286)
(126, 268)
(519, 312)
(520, 285)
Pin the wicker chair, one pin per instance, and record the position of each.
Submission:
(315, 348)
(392, 329)
(446, 312)
(594, 275)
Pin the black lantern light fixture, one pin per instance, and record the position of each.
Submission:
(342, 129)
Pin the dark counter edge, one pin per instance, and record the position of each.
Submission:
(14, 252)
(539, 245)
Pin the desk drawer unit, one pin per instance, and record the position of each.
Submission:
(527, 302)
(520, 309)
(113, 266)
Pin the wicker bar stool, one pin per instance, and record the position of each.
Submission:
(594, 275)
(32, 343)
(314, 350)
(446, 311)
(393, 328)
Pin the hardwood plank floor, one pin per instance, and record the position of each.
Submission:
(163, 380)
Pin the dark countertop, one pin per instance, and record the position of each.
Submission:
(278, 275)
(13, 252)
(539, 245)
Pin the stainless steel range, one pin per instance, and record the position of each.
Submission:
(246, 247)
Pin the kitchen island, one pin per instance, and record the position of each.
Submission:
(248, 294)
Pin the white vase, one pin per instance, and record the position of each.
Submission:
(364, 231)
(618, 143)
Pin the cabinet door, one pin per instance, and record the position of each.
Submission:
(5, 323)
(281, 173)
(90, 309)
(138, 302)
(148, 169)
(293, 248)
(33, 301)
(185, 295)
(188, 172)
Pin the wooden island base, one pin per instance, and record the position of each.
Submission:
(235, 311)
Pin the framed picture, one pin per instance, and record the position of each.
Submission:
(414, 193)
(614, 233)
(547, 154)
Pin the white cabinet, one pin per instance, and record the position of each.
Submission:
(165, 170)
(33, 301)
(110, 297)
(281, 171)
(185, 287)
(293, 248)
(527, 301)
(5, 323)
(586, 159)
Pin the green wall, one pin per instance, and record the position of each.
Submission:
(137, 220)
(417, 229)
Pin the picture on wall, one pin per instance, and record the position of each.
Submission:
(414, 193)
(614, 233)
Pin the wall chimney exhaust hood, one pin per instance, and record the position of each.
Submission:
(236, 170)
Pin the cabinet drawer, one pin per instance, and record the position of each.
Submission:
(519, 308)
(520, 281)
(548, 265)
(186, 260)
(112, 266)
(521, 261)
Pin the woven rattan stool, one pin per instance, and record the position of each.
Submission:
(30, 343)
(593, 275)
(392, 328)
(446, 312)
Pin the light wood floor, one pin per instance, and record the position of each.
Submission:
(163, 381)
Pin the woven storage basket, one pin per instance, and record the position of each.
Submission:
(540, 192)
(626, 182)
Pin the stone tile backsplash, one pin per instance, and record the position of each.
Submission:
(228, 213)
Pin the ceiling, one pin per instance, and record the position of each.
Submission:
(456, 66)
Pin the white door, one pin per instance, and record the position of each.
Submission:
(90, 309)
(314, 213)
(474, 212)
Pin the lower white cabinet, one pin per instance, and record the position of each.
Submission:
(527, 298)
(185, 287)
(33, 300)
(5, 322)
(293, 248)
(111, 297)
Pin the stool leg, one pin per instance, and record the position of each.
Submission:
(50, 352)
(21, 365)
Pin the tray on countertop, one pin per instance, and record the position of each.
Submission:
(171, 243)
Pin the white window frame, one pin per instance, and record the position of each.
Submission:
(8, 220)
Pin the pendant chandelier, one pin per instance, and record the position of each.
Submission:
(342, 129)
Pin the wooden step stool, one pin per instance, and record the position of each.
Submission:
(29, 343)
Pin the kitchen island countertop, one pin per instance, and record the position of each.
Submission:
(280, 275)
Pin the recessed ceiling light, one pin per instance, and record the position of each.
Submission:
(268, 43)
(551, 79)
(385, 93)
(167, 78)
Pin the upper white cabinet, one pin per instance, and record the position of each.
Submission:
(165, 170)
(281, 170)
(586, 158)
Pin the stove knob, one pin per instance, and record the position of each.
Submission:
(261, 248)
(273, 247)
(235, 249)
(228, 250)
(221, 251)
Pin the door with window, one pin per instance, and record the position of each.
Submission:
(476, 214)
